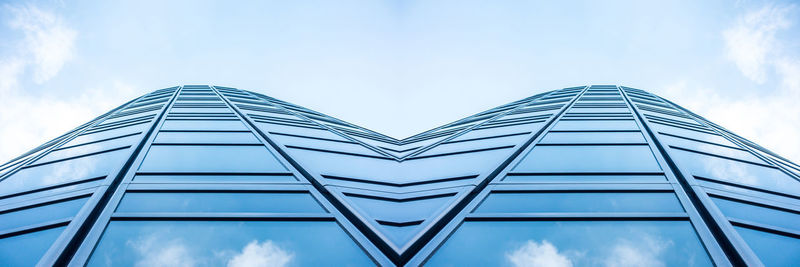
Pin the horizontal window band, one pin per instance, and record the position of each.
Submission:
(686, 128)
(581, 173)
(75, 157)
(56, 186)
(339, 152)
(595, 131)
(209, 190)
(735, 198)
(430, 181)
(35, 228)
(88, 132)
(715, 181)
(208, 144)
(508, 125)
(204, 131)
(487, 137)
(220, 216)
(97, 141)
(461, 152)
(582, 190)
(399, 199)
(312, 137)
(724, 157)
(292, 125)
(399, 151)
(217, 173)
(592, 144)
(45, 203)
(582, 216)
(764, 227)
(701, 141)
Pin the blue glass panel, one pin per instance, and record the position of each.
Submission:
(27, 249)
(598, 110)
(210, 159)
(588, 125)
(206, 138)
(585, 178)
(82, 139)
(170, 243)
(772, 249)
(580, 202)
(709, 148)
(205, 125)
(63, 171)
(628, 158)
(41, 214)
(200, 110)
(572, 243)
(758, 214)
(736, 172)
(90, 148)
(214, 178)
(592, 137)
(219, 202)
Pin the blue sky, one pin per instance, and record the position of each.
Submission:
(400, 67)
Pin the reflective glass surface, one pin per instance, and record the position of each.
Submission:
(89, 148)
(231, 243)
(736, 172)
(585, 178)
(219, 202)
(206, 125)
(772, 249)
(206, 138)
(592, 137)
(41, 214)
(572, 243)
(590, 125)
(758, 214)
(206, 158)
(214, 178)
(637, 158)
(97, 165)
(27, 249)
(580, 202)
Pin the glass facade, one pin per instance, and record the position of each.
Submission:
(200, 175)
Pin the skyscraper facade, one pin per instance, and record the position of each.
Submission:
(201, 175)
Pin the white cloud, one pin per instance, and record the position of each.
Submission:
(49, 43)
(156, 252)
(643, 252)
(751, 41)
(534, 254)
(265, 253)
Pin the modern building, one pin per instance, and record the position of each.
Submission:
(200, 175)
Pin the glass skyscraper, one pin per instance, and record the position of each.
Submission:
(597, 175)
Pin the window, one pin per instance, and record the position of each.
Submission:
(521, 202)
(627, 158)
(206, 138)
(205, 125)
(758, 214)
(90, 148)
(262, 202)
(736, 171)
(27, 249)
(40, 214)
(198, 178)
(772, 249)
(595, 125)
(294, 243)
(592, 137)
(654, 178)
(93, 166)
(573, 243)
(188, 158)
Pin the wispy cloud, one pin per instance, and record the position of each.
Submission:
(536, 254)
(646, 251)
(48, 43)
(751, 42)
(264, 253)
(156, 252)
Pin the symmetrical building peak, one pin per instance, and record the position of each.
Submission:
(212, 175)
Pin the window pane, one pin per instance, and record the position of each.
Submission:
(219, 202)
(64, 171)
(736, 172)
(588, 125)
(585, 178)
(27, 249)
(589, 159)
(772, 249)
(592, 137)
(758, 214)
(580, 202)
(206, 125)
(90, 148)
(206, 138)
(40, 214)
(169, 243)
(573, 243)
(214, 178)
(210, 159)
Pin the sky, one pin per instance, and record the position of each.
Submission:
(400, 67)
